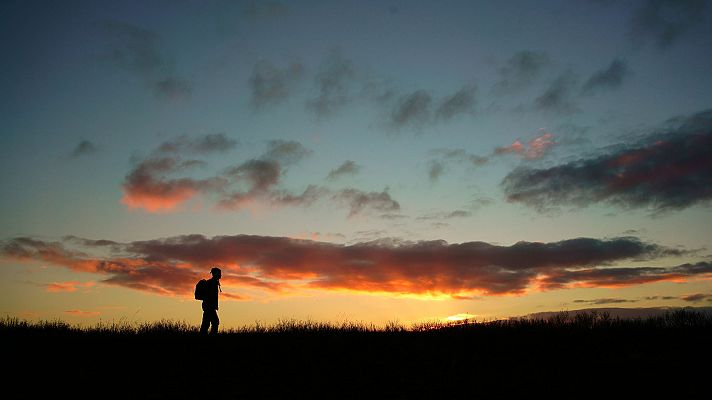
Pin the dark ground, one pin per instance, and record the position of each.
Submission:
(574, 359)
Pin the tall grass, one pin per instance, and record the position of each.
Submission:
(594, 320)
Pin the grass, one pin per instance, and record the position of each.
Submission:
(564, 354)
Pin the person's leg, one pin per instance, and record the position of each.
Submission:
(206, 322)
(215, 322)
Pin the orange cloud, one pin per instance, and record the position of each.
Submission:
(71, 286)
(81, 313)
(171, 266)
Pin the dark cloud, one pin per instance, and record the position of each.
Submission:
(520, 71)
(334, 84)
(616, 277)
(170, 266)
(347, 168)
(461, 102)
(558, 97)
(460, 155)
(412, 109)
(286, 152)
(606, 301)
(609, 78)
(260, 175)
(697, 297)
(214, 142)
(660, 298)
(85, 147)
(443, 215)
(138, 50)
(665, 22)
(436, 169)
(668, 171)
(173, 87)
(359, 201)
(270, 85)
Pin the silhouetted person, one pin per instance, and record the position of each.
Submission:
(210, 303)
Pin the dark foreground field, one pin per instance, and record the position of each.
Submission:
(572, 356)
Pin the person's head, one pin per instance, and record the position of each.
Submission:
(216, 273)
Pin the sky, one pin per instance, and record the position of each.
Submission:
(366, 161)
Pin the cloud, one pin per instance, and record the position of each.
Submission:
(697, 297)
(161, 181)
(435, 170)
(665, 22)
(412, 109)
(520, 71)
(138, 51)
(71, 286)
(669, 171)
(171, 266)
(359, 201)
(210, 143)
(535, 148)
(286, 152)
(148, 186)
(270, 85)
(347, 168)
(155, 183)
(334, 83)
(82, 313)
(461, 102)
(558, 96)
(443, 215)
(606, 301)
(85, 147)
(172, 88)
(609, 78)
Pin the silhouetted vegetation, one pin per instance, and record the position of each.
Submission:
(167, 359)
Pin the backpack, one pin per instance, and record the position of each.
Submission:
(201, 289)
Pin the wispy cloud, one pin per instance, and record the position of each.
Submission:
(419, 108)
(606, 301)
(359, 201)
(348, 167)
(334, 84)
(535, 148)
(669, 171)
(607, 79)
(71, 286)
(83, 313)
(163, 181)
(558, 97)
(84, 147)
(170, 266)
(139, 51)
(520, 71)
(270, 85)
(665, 22)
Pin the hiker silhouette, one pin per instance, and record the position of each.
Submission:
(210, 303)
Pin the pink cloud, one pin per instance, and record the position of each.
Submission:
(534, 148)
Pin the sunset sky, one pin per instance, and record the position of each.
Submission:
(354, 160)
